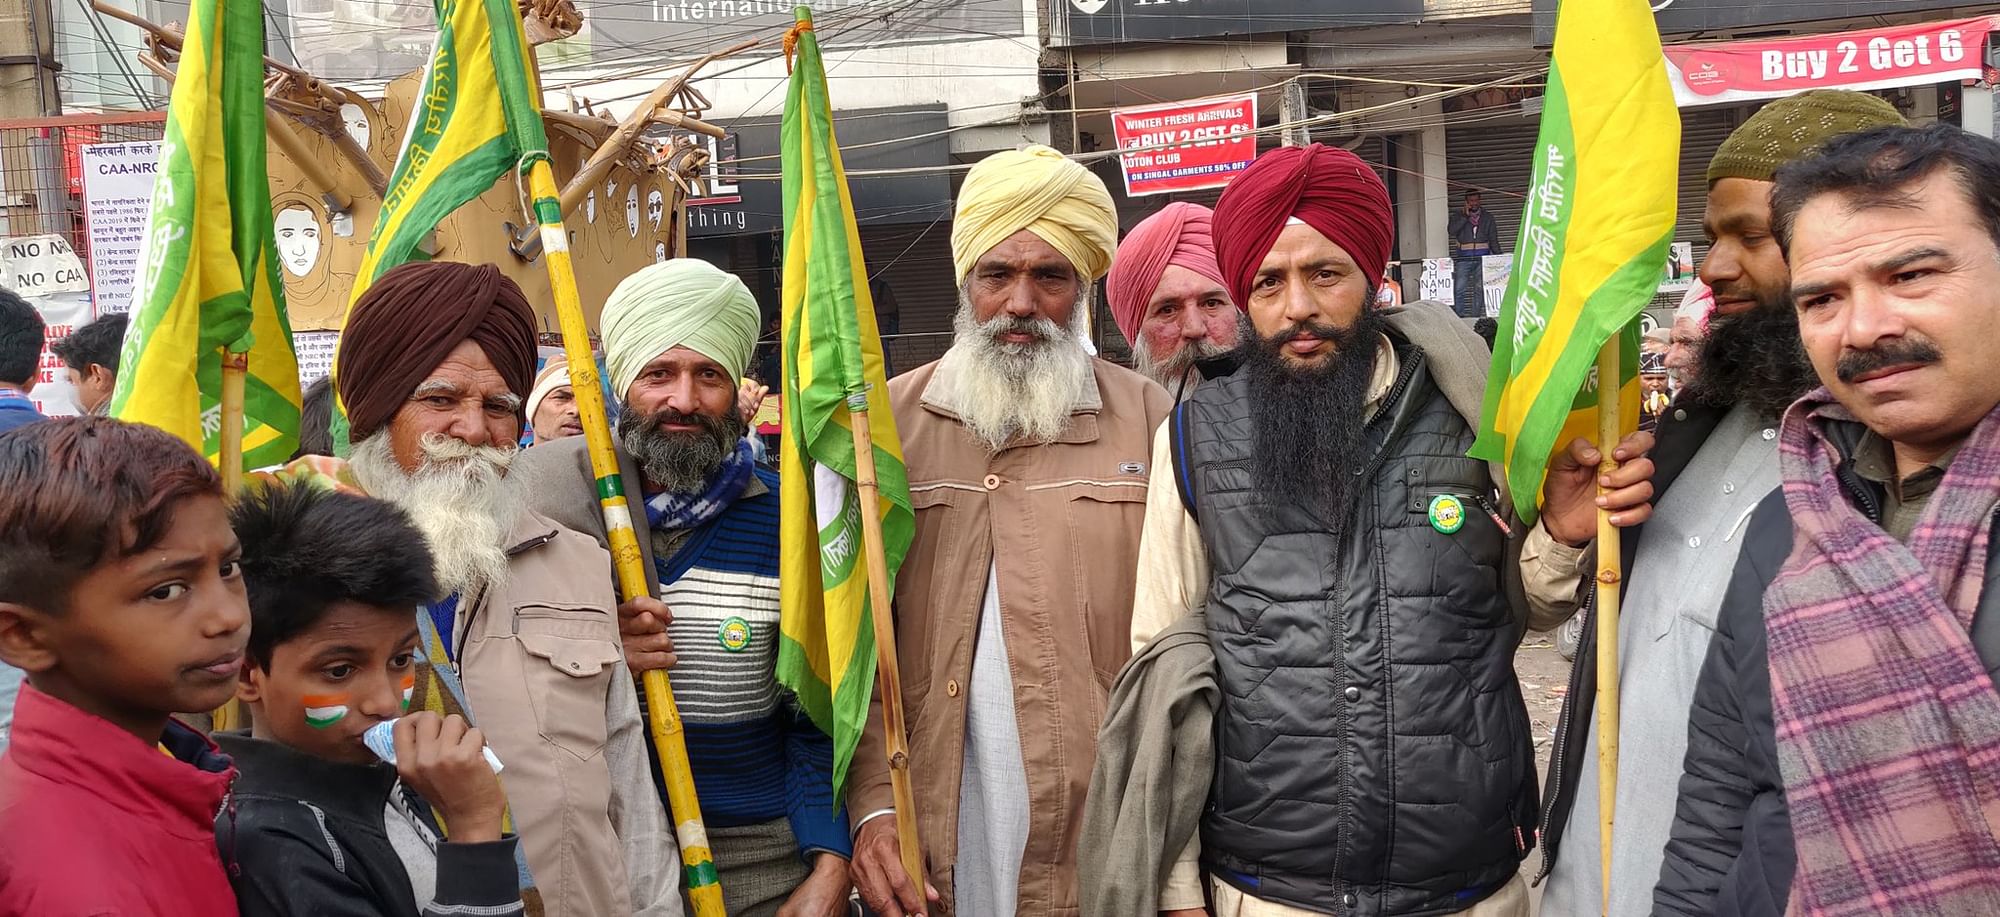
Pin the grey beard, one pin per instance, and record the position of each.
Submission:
(681, 463)
(460, 499)
(1001, 390)
(1171, 369)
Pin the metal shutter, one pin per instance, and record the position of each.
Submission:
(914, 259)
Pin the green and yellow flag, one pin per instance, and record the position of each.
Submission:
(833, 368)
(477, 113)
(1594, 237)
(208, 277)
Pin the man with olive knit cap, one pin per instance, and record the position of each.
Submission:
(677, 337)
(1027, 469)
(1716, 457)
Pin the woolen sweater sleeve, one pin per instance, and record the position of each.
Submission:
(1716, 787)
(477, 878)
(818, 821)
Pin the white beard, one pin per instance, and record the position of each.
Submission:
(460, 499)
(1002, 390)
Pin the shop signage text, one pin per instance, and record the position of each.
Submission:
(1739, 71)
(1182, 146)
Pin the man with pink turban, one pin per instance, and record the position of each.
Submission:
(1322, 715)
(1169, 297)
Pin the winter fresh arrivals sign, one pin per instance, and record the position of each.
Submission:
(1184, 146)
(1911, 55)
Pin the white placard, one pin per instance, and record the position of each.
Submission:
(315, 351)
(1679, 273)
(62, 313)
(38, 266)
(1437, 284)
(1494, 271)
(118, 198)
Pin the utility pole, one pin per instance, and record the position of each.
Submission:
(28, 59)
(1291, 111)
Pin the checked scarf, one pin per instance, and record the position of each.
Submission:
(667, 511)
(1888, 728)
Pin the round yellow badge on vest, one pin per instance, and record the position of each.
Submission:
(734, 634)
(1447, 513)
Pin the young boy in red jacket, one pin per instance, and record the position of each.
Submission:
(121, 597)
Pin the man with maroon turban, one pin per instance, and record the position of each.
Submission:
(1169, 298)
(1322, 717)
(434, 367)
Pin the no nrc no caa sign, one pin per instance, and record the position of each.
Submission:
(1183, 146)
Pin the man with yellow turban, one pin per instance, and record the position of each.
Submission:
(1027, 465)
(677, 338)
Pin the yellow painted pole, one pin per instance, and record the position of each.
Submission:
(230, 462)
(1609, 560)
(697, 863)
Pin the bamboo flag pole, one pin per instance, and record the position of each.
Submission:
(1609, 559)
(697, 863)
(886, 666)
(235, 366)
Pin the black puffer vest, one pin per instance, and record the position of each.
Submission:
(1373, 751)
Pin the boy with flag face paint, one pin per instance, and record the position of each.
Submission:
(319, 823)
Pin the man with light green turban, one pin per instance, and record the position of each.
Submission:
(677, 337)
(1027, 459)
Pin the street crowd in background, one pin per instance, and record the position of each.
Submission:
(1229, 633)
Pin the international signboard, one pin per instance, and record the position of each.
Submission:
(1104, 22)
(1184, 146)
(1742, 71)
(620, 30)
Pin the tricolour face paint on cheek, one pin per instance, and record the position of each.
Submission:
(324, 710)
(409, 688)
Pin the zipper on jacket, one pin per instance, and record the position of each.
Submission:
(229, 808)
(1560, 747)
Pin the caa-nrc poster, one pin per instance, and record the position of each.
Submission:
(1184, 146)
(1910, 55)
(118, 198)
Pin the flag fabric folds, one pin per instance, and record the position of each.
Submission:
(208, 265)
(832, 368)
(477, 113)
(1594, 237)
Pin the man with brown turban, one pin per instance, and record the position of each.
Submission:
(1169, 297)
(434, 364)
(1327, 600)
(1027, 463)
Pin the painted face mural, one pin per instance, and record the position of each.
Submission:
(656, 204)
(298, 239)
(632, 211)
(659, 252)
(356, 121)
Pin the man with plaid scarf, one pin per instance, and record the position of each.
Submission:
(1844, 745)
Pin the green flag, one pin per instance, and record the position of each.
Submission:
(208, 267)
(833, 368)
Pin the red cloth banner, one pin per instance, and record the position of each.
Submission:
(1182, 146)
(1910, 55)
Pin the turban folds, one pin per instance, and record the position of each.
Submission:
(1039, 190)
(411, 318)
(1182, 234)
(1327, 188)
(684, 302)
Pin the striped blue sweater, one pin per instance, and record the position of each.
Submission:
(756, 756)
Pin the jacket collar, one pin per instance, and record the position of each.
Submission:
(530, 530)
(179, 792)
(277, 770)
(1082, 427)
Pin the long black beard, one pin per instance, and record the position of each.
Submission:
(678, 462)
(1309, 421)
(1753, 359)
